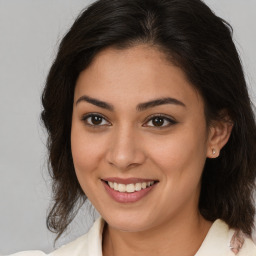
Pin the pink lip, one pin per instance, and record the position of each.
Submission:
(125, 197)
(127, 181)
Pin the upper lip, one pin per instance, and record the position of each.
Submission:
(127, 180)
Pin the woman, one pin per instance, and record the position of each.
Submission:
(149, 118)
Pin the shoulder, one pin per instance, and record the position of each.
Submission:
(29, 253)
(249, 248)
(241, 244)
(88, 244)
(225, 241)
(73, 248)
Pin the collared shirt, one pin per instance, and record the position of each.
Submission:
(219, 241)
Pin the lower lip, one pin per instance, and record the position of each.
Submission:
(125, 197)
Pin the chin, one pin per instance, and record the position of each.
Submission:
(128, 222)
(128, 226)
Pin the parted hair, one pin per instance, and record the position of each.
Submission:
(200, 43)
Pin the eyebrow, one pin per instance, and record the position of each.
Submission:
(96, 102)
(158, 102)
(140, 107)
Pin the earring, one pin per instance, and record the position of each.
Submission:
(213, 151)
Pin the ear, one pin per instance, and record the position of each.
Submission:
(218, 136)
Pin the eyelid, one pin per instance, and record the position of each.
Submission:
(86, 116)
(171, 120)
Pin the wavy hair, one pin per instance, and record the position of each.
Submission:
(200, 43)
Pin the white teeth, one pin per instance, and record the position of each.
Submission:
(111, 184)
(130, 188)
(121, 187)
(138, 186)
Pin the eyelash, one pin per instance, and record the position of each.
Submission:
(164, 117)
(150, 118)
(86, 117)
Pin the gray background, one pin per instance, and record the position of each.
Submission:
(29, 35)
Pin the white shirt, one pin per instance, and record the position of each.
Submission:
(217, 243)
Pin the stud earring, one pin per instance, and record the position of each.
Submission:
(213, 151)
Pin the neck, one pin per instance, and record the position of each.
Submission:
(182, 236)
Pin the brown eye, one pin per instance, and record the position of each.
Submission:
(95, 120)
(160, 121)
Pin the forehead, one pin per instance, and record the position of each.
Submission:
(140, 72)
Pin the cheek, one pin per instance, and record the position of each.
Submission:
(180, 159)
(86, 153)
(180, 156)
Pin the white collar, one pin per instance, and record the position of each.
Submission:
(216, 242)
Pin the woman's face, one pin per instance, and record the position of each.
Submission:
(137, 121)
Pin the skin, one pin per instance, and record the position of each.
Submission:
(127, 143)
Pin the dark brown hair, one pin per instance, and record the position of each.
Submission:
(196, 40)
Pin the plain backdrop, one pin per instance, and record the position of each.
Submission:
(30, 31)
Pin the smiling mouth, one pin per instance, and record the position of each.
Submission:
(130, 188)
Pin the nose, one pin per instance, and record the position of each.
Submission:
(125, 150)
